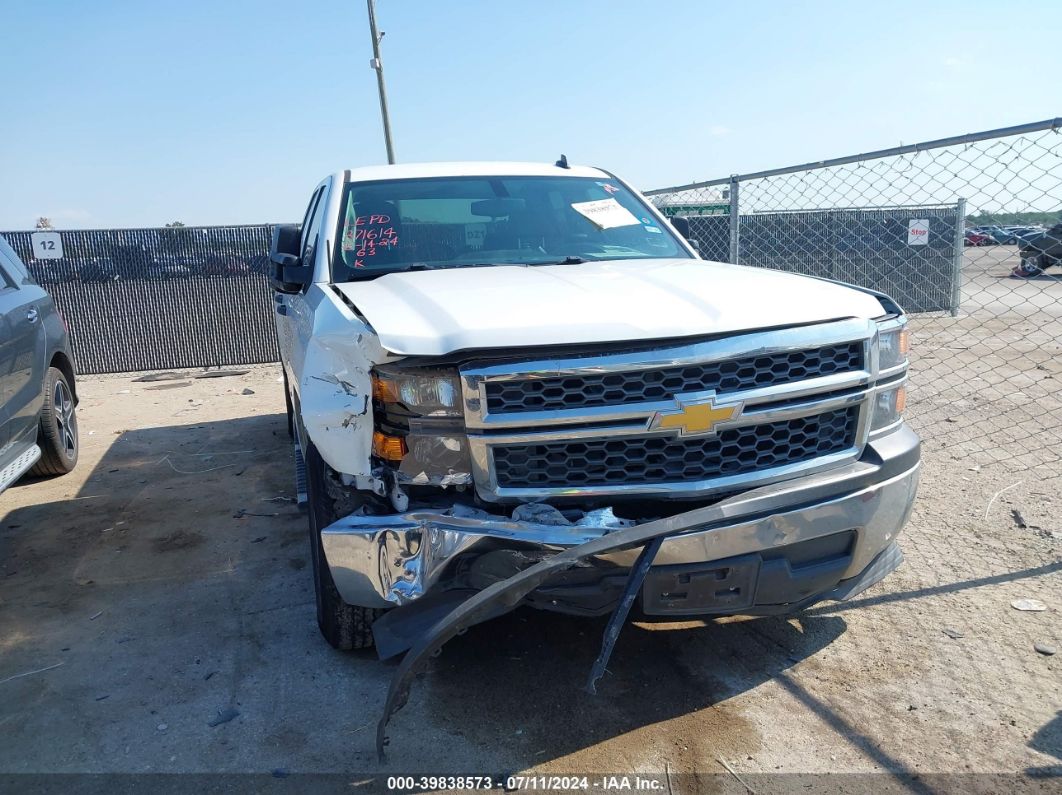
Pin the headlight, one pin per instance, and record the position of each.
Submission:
(892, 348)
(436, 460)
(416, 428)
(428, 393)
(888, 407)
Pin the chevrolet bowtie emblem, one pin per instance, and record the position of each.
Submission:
(694, 417)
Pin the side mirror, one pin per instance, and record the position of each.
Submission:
(682, 226)
(288, 274)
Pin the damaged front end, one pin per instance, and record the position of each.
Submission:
(754, 474)
(824, 529)
(389, 561)
(872, 499)
(476, 457)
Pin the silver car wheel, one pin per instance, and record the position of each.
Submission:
(65, 419)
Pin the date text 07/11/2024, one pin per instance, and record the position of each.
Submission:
(539, 783)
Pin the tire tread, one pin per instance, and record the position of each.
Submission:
(52, 461)
(346, 627)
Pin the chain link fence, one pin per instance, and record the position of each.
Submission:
(158, 299)
(965, 233)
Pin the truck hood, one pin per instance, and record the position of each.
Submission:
(431, 313)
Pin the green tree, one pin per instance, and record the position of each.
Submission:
(175, 237)
(985, 218)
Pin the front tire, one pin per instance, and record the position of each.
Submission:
(344, 626)
(57, 432)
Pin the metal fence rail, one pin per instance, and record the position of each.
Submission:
(986, 378)
(152, 299)
(861, 246)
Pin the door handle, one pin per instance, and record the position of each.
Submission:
(282, 309)
(31, 315)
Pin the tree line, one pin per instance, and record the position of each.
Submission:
(1015, 219)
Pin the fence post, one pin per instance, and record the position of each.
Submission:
(735, 222)
(832, 240)
(956, 257)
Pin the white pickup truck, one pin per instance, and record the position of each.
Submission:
(490, 364)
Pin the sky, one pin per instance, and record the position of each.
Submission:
(127, 114)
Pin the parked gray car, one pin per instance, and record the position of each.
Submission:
(38, 424)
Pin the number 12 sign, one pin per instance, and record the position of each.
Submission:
(47, 245)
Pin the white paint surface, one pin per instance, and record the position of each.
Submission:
(431, 313)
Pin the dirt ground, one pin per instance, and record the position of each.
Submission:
(168, 578)
(165, 585)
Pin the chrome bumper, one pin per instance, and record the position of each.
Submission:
(382, 561)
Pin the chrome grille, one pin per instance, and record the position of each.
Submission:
(660, 459)
(590, 426)
(640, 386)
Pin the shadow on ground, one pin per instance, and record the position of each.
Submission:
(1048, 740)
(182, 554)
(520, 680)
(171, 493)
(173, 586)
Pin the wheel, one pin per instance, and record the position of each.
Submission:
(1027, 268)
(344, 626)
(287, 405)
(57, 432)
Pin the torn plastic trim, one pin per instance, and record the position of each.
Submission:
(502, 597)
(387, 561)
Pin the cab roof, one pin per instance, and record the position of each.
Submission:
(469, 169)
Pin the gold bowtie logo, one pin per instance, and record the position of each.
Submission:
(694, 417)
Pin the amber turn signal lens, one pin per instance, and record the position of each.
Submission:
(384, 390)
(389, 448)
(901, 399)
(905, 342)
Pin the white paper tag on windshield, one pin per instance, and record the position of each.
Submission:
(606, 213)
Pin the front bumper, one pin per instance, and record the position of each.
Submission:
(386, 561)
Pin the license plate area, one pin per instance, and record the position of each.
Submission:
(717, 587)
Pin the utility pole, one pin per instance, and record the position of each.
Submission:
(377, 64)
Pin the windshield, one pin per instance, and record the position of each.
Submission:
(464, 221)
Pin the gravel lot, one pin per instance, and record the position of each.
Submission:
(165, 584)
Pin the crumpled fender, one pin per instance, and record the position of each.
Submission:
(335, 387)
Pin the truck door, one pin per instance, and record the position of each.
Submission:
(294, 317)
